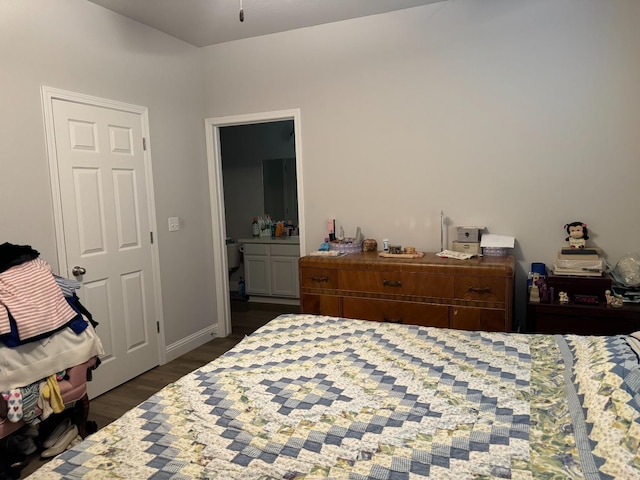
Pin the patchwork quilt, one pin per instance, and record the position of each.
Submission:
(312, 397)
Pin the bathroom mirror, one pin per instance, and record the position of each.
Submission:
(280, 189)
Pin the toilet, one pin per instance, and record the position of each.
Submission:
(233, 255)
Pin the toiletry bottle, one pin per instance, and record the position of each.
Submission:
(385, 244)
(241, 288)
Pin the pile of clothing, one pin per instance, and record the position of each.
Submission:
(34, 304)
(44, 329)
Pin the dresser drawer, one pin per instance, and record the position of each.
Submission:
(483, 289)
(396, 283)
(318, 278)
(320, 304)
(468, 318)
(408, 313)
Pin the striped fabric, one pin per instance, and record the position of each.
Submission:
(35, 301)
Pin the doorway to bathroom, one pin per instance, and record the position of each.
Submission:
(244, 153)
(259, 181)
(259, 174)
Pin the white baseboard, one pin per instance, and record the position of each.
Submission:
(189, 343)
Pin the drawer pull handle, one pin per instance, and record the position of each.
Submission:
(389, 283)
(320, 279)
(392, 320)
(479, 290)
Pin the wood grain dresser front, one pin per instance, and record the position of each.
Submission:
(474, 294)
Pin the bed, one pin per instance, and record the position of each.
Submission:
(310, 397)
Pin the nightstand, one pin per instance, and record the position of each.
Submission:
(580, 319)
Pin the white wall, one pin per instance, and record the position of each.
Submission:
(521, 116)
(518, 115)
(78, 46)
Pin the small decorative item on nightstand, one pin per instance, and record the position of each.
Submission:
(534, 291)
(537, 278)
(613, 299)
(544, 291)
(563, 297)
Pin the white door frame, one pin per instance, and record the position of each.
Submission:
(216, 194)
(49, 94)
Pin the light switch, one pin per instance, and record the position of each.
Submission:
(174, 224)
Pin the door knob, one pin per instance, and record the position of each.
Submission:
(78, 271)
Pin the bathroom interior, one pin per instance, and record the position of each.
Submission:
(259, 179)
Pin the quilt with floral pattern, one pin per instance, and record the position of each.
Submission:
(313, 397)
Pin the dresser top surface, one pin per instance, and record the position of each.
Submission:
(429, 262)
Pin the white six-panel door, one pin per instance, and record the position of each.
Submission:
(105, 216)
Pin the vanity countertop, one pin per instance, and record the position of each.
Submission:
(278, 240)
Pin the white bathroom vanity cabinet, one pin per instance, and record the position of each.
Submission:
(271, 267)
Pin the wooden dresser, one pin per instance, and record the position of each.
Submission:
(475, 294)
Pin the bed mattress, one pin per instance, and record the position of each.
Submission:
(310, 397)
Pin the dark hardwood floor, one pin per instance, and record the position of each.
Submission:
(246, 318)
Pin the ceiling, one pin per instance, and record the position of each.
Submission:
(208, 22)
